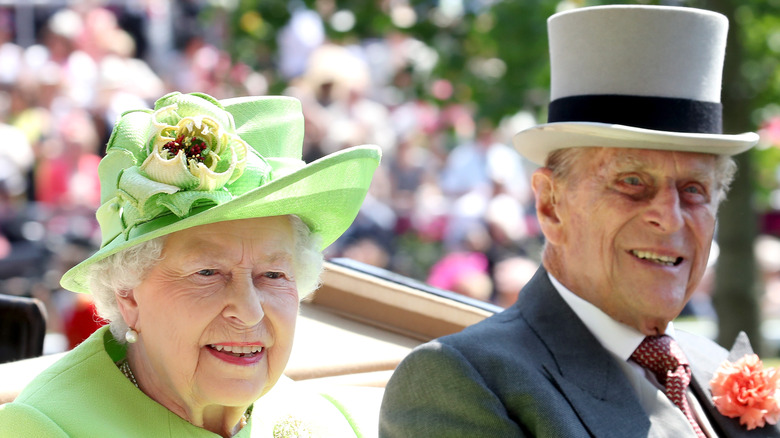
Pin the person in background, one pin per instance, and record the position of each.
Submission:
(634, 167)
(465, 273)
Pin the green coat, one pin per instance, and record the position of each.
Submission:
(85, 395)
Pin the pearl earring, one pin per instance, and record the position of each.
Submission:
(131, 336)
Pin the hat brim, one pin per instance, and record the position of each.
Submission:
(537, 142)
(326, 194)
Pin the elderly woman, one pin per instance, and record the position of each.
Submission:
(212, 231)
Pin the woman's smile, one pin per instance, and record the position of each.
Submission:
(238, 354)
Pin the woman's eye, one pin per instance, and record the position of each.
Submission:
(273, 275)
(207, 272)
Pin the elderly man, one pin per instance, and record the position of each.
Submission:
(634, 168)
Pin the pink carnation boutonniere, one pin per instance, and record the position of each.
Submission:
(746, 390)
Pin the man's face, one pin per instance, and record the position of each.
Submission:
(631, 230)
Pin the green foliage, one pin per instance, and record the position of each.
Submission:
(415, 255)
(496, 57)
(759, 23)
(495, 53)
(767, 166)
(519, 39)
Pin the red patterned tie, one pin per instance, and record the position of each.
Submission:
(662, 356)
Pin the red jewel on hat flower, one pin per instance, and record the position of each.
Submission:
(193, 147)
(746, 390)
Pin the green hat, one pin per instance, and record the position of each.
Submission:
(194, 160)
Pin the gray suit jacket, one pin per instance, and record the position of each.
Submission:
(535, 370)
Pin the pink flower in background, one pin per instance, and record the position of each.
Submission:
(746, 390)
(770, 131)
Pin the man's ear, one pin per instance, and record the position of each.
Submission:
(128, 307)
(547, 204)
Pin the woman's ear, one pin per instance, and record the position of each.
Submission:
(547, 204)
(128, 307)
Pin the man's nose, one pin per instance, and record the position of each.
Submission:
(665, 212)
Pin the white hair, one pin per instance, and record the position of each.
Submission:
(122, 272)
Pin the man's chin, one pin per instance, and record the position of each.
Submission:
(654, 328)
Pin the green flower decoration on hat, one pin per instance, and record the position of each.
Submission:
(197, 153)
(193, 160)
(179, 155)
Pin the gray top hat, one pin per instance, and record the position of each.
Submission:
(646, 77)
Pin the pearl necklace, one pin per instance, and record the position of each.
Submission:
(125, 368)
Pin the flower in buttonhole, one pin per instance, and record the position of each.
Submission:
(746, 390)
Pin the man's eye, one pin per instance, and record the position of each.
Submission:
(632, 180)
(207, 272)
(693, 189)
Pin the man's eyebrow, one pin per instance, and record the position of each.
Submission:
(703, 172)
(629, 161)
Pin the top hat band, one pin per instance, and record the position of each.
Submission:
(648, 112)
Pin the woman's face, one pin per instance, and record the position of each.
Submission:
(216, 315)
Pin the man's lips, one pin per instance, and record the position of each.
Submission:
(660, 259)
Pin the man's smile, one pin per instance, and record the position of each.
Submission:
(657, 258)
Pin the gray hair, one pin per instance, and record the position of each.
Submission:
(562, 162)
(121, 272)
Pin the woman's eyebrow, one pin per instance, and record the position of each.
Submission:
(277, 257)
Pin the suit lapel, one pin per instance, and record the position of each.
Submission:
(705, 358)
(587, 375)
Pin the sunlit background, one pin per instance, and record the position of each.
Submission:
(440, 85)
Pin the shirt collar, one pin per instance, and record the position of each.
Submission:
(618, 338)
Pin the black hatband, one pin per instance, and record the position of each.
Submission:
(657, 113)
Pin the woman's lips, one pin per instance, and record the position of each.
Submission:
(238, 354)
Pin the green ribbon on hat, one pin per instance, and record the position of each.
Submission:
(183, 154)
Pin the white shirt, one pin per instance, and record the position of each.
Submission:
(621, 340)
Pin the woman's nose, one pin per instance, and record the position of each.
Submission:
(245, 301)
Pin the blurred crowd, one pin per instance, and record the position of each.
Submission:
(450, 205)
